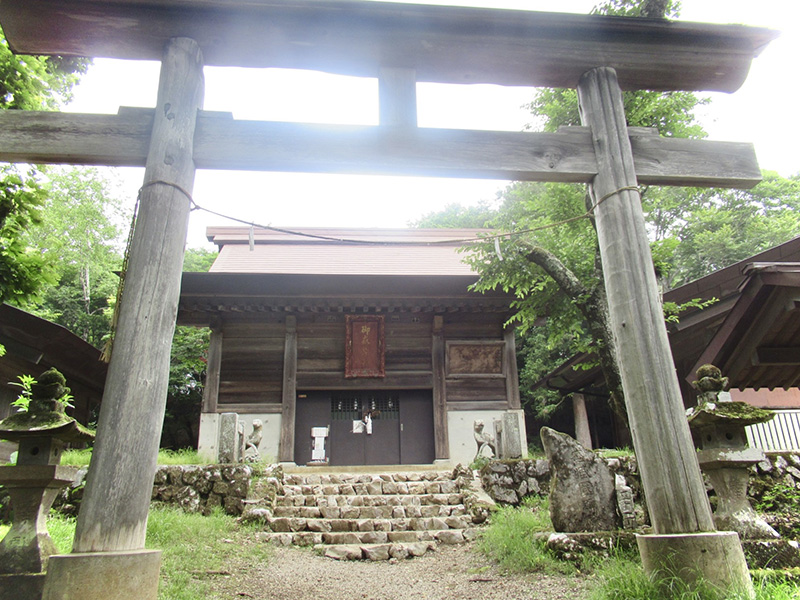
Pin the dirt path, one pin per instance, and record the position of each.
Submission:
(450, 573)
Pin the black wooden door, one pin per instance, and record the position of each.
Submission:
(353, 442)
(402, 427)
(417, 446)
(313, 410)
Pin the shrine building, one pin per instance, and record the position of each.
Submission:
(371, 333)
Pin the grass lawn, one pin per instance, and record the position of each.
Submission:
(196, 549)
(509, 540)
(81, 458)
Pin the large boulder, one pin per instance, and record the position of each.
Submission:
(582, 490)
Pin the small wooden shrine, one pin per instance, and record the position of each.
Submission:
(322, 331)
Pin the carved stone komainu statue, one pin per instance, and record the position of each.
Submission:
(252, 446)
(485, 441)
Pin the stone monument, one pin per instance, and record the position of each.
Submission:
(582, 488)
(42, 431)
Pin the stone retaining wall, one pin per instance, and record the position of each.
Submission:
(774, 485)
(510, 481)
(195, 488)
(775, 481)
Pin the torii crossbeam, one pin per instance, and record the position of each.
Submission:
(399, 44)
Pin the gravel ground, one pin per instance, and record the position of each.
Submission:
(449, 573)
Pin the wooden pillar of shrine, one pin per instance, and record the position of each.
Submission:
(213, 368)
(440, 431)
(289, 393)
(583, 433)
(676, 497)
(109, 560)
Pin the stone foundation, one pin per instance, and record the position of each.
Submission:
(103, 576)
(195, 488)
(714, 557)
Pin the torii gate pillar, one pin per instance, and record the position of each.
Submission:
(685, 544)
(108, 560)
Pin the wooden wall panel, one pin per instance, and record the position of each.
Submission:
(474, 389)
(476, 392)
(311, 365)
(321, 354)
(252, 364)
(254, 330)
(392, 381)
(473, 329)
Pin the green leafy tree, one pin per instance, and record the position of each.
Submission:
(79, 236)
(717, 228)
(37, 82)
(187, 374)
(455, 216)
(198, 260)
(27, 83)
(22, 270)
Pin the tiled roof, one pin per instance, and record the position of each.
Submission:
(381, 251)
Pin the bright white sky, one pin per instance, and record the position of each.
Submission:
(763, 112)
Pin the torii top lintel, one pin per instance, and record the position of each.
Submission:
(352, 37)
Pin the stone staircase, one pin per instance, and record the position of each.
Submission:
(375, 515)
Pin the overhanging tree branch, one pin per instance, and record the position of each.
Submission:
(591, 303)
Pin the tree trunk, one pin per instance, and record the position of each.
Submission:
(592, 305)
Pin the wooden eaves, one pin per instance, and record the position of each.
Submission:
(757, 310)
(203, 294)
(440, 43)
(758, 344)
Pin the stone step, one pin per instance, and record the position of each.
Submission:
(373, 488)
(370, 500)
(359, 538)
(376, 551)
(294, 524)
(369, 515)
(370, 512)
(338, 478)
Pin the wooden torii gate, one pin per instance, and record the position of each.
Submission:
(400, 45)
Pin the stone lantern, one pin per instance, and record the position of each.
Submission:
(717, 425)
(42, 433)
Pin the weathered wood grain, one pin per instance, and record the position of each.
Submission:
(226, 143)
(289, 392)
(397, 97)
(478, 405)
(392, 381)
(258, 388)
(211, 387)
(251, 407)
(676, 496)
(442, 43)
(474, 389)
(440, 431)
(113, 515)
(510, 370)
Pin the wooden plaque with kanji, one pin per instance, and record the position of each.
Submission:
(365, 346)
